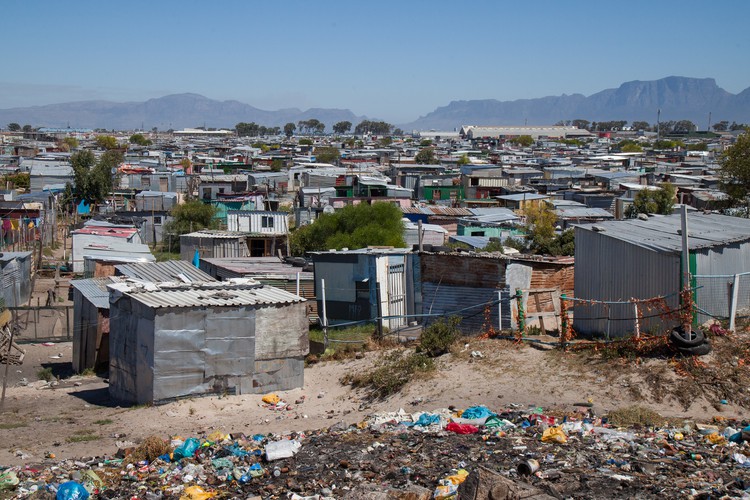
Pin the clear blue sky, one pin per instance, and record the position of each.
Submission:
(392, 60)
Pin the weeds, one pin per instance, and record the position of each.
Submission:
(4, 426)
(88, 372)
(437, 338)
(83, 436)
(632, 416)
(391, 373)
(45, 374)
(104, 421)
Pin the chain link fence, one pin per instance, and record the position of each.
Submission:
(723, 297)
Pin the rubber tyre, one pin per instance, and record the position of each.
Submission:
(677, 337)
(700, 350)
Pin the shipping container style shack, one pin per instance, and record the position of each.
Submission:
(173, 340)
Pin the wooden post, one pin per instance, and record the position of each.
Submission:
(67, 323)
(419, 234)
(637, 322)
(685, 266)
(499, 311)
(7, 365)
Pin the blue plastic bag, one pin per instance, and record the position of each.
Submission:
(72, 491)
(477, 412)
(187, 449)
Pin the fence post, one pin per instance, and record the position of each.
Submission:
(324, 318)
(637, 324)
(733, 303)
(521, 313)
(563, 321)
(67, 322)
(499, 311)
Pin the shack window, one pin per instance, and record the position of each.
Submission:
(363, 289)
(266, 221)
(157, 220)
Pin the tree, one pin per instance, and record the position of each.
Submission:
(584, 124)
(735, 169)
(27, 128)
(684, 127)
(20, 180)
(523, 140)
(327, 154)
(106, 142)
(722, 126)
(93, 179)
(354, 226)
(641, 126)
(426, 156)
(190, 216)
(464, 160)
(139, 140)
(289, 129)
(540, 222)
(384, 142)
(653, 201)
(14, 127)
(305, 142)
(372, 127)
(628, 146)
(71, 142)
(342, 127)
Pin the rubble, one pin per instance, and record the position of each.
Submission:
(416, 456)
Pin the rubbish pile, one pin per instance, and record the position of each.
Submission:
(477, 453)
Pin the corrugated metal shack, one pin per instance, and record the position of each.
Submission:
(91, 322)
(177, 271)
(169, 341)
(269, 271)
(641, 259)
(213, 244)
(16, 272)
(366, 284)
(469, 286)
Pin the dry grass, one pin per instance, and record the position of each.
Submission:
(636, 416)
(150, 449)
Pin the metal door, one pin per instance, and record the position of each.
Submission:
(396, 296)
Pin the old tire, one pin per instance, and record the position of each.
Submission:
(700, 350)
(680, 338)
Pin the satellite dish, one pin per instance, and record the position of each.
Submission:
(328, 209)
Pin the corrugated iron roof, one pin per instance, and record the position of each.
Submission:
(158, 272)
(207, 294)
(660, 232)
(206, 233)
(95, 289)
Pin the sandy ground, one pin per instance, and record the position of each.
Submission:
(76, 417)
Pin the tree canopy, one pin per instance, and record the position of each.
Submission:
(92, 177)
(187, 217)
(523, 140)
(289, 129)
(425, 156)
(311, 126)
(735, 169)
(342, 127)
(327, 154)
(354, 226)
(106, 142)
(653, 201)
(14, 127)
(139, 140)
(373, 127)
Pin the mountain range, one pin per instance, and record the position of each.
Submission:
(677, 98)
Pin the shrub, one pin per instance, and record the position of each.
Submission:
(437, 338)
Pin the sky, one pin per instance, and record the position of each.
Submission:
(388, 60)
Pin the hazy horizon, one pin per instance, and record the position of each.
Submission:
(394, 61)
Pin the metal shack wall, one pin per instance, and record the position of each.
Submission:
(131, 351)
(454, 283)
(608, 269)
(281, 343)
(203, 350)
(210, 247)
(722, 260)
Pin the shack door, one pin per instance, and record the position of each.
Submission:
(396, 296)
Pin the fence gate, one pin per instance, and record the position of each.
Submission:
(396, 296)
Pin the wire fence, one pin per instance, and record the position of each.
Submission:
(723, 297)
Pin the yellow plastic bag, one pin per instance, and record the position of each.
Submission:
(554, 435)
(196, 493)
(217, 436)
(459, 477)
(716, 438)
(271, 399)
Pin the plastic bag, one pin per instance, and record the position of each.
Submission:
(424, 420)
(286, 448)
(187, 449)
(271, 399)
(554, 435)
(477, 412)
(71, 491)
(196, 493)
(461, 428)
(8, 480)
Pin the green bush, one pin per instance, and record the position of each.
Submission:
(437, 338)
(392, 372)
